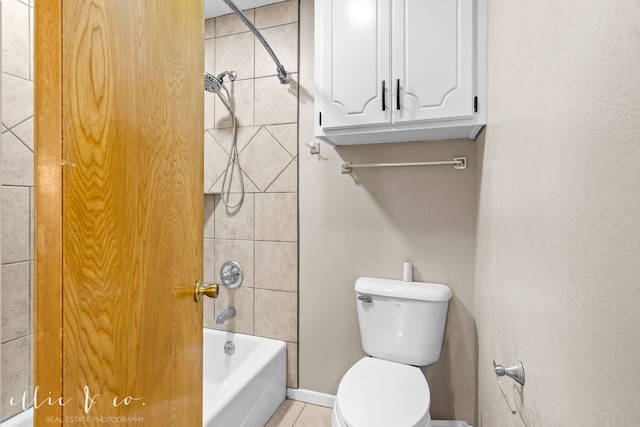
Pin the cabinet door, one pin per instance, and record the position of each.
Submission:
(432, 60)
(355, 52)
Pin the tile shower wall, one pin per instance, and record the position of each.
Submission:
(17, 201)
(262, 234)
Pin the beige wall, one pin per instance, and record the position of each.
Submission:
(368, 224)
(17, 201)
(262, 234)
(558, 246)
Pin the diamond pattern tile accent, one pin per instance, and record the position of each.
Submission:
(287, 136)
(287, 181)
(243, 136)
(17, 161)
(234, 188)
(17, 100)
(24, 131)
(215, 160)
(264, 159)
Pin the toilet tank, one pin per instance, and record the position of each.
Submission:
(402, 321)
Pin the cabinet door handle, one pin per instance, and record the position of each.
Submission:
(384, 104)
(398, 94)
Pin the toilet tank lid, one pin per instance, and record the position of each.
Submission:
(422, 291)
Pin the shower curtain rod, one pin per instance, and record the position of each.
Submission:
(283, 75)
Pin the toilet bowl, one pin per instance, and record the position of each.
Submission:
(380, 393)
(401, 327)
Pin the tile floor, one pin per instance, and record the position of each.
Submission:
(293, 413)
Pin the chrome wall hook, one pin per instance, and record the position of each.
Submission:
(515, 371)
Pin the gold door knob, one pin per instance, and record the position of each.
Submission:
(211, 291)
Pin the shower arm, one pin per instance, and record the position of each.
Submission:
(283, 75)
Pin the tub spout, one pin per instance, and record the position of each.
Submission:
(226, 314)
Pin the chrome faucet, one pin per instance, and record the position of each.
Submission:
(226, 314)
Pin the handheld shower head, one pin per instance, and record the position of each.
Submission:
(212, 83)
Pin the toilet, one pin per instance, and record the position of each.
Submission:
(401, 327)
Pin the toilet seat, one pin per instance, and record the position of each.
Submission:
(381, 393)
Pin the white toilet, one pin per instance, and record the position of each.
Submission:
(401, 327)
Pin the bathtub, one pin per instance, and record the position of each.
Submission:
(241, 390)
(23, 419)
(246, 388)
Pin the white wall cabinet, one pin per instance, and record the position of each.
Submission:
(399, 70)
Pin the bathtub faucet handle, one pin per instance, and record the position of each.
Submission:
(231, 274)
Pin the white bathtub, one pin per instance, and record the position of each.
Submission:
(23, 419)
(241, 390)
(246, 388)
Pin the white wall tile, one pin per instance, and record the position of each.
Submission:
(17, 100)
(287, 136)
(287, 181)
(209, 220)
(15, 374)
(276, 14)
(209, 56)
(233, 186)
(15, 301)
(15, 39)
(277, 266)
(209, 28)
(209, 266)
(24, 131)
(276, 315)
(243, 136)
(277, 217)
(264, 159)
(17, 161)
(242, 300)
(242, 99)
(275, 103)
(235, 52)
(235, 223)
(15, 224)
(292, 365)
(241, 251)
(32, 40)
(284, 42)
(231, 24)
(215, 161)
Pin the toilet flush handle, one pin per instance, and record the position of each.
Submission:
(365, 298)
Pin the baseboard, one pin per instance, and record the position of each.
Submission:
(327, 400)
(309, 396)
(448, 423)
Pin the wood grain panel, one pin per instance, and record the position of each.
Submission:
(48, 209)
(132, 210)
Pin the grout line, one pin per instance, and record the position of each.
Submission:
(16, 262)
(299, 414)
(19, 139)
(16, 339)
(17, 77)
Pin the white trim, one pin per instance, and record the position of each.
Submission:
(310, 396)
(327, 400)
(447, 423)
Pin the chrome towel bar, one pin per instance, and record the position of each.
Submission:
(457, 162)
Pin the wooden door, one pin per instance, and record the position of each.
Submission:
(119, 206)
(433, 60)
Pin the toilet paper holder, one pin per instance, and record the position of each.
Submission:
(515, 371)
